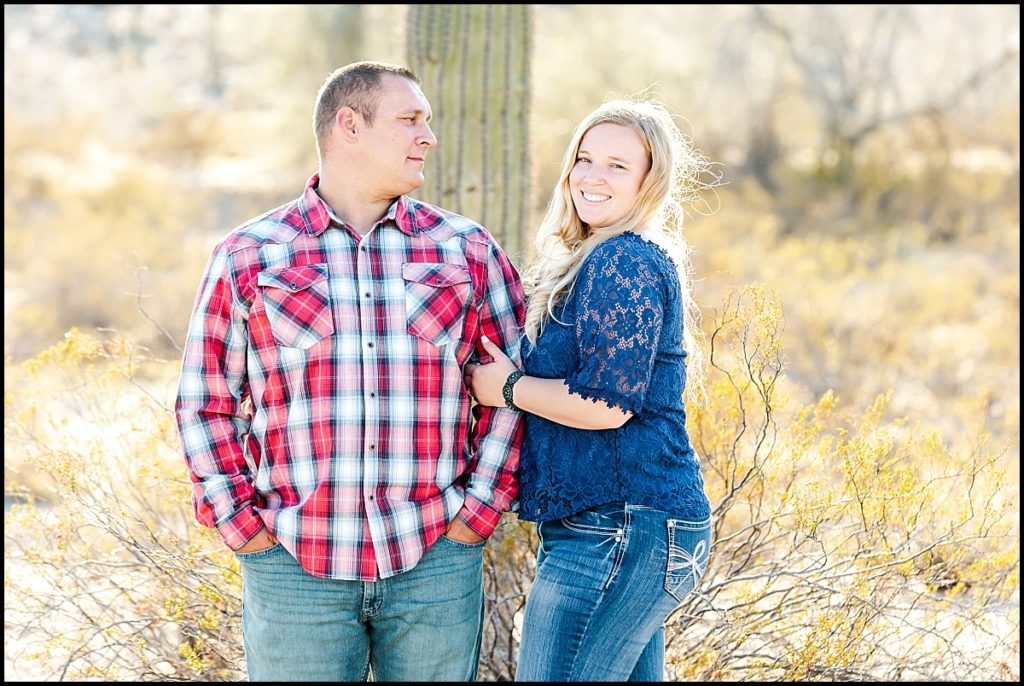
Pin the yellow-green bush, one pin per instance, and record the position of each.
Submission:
(107, 576)
(849, 544)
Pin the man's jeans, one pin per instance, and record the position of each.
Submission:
(421, 625)
(607, 578)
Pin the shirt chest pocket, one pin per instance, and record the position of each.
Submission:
(297, 304)
(436, 297)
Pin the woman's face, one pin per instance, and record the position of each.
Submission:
(605, 182)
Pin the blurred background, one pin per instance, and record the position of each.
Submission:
(870, 161)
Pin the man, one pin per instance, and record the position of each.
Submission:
(322, 410)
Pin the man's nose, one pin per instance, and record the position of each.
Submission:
(428, 139)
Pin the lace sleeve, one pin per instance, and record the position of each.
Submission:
(619, 319)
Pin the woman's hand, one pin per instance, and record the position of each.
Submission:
(485, 381)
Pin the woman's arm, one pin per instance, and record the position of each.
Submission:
(551, 399)
(547, 398)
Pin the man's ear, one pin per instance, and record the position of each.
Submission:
(349, 122)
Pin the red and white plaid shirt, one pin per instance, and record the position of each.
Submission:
(321, 389)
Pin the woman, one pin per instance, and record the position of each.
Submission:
(607, 469)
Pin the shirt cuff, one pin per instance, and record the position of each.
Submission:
(482, 519)
(240, 528)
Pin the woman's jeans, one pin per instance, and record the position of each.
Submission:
(607, 579)
(420, 625)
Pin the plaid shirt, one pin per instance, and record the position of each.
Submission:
(321, 390)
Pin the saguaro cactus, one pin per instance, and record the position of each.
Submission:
(474, 61)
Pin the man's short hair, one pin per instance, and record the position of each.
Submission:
(355, 85)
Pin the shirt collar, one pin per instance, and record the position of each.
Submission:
(319, 216)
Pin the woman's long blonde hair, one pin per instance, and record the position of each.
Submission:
(673, 181)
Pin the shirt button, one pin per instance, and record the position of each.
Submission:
(366, 294)
(372, 394)
(370, 498)
(438, 281)
(292, 284)
(369, 344)
(373, 446)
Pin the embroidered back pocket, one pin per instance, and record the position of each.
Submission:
(688, 546)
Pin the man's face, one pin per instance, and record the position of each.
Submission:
(395, 146)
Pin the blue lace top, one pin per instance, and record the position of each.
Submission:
(621, 343)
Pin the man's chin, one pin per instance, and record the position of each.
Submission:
(415, 183)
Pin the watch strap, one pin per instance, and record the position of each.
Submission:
(506, 390)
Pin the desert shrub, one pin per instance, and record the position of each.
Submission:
(107, 576)
(848, 544)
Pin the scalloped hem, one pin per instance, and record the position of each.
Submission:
(609, 397)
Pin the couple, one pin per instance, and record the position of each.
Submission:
(326, 410)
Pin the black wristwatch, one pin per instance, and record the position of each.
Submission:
(506, 390)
